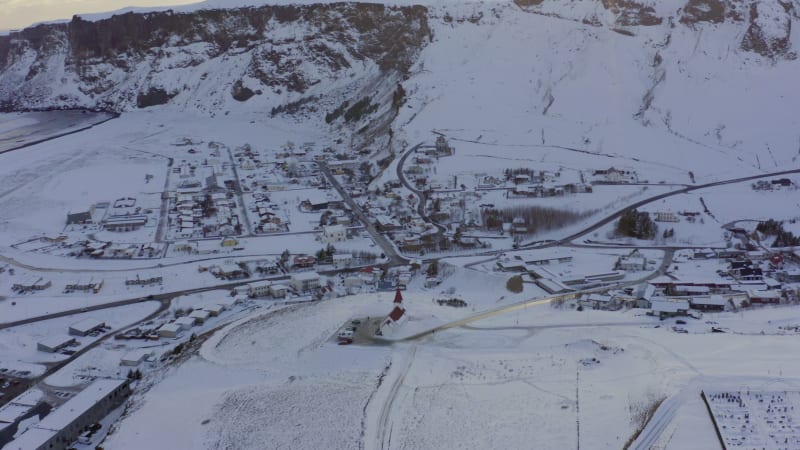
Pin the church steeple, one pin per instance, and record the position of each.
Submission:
(398, 297)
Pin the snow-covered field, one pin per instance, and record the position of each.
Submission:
(520, 380)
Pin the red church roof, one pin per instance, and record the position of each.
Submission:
(398, 297)
(397, 313)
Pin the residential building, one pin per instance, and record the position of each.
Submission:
(305, 281)
(342, 260)
(334, 233)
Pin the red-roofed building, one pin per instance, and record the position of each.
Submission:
(396, 317)
(396, 314)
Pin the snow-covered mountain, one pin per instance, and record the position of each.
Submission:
(609, 76)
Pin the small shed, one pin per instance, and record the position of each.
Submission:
(214, 310)
(185, 322)
(200, 315)
(135, 357)
(170, 330)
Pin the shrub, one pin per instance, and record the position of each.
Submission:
(514, 284)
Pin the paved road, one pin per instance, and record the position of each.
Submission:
(420, 194)
(395, 259)
(162, 297)
(665, 263)
(608, 219)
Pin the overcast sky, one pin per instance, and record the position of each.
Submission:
(21, 13)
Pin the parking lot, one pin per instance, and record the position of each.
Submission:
(359, 331)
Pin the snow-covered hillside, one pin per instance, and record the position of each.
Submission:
(688, 81)
(297, 60)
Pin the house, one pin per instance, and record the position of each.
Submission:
(200, 315)
(518, 226)
(305, 281)
(80, 218)
(52, 344)
(214, 310)
(661, 216)
(278, 290)
(170, 330)
(229, 271)
(714, 303)
(135, 357)
(304, 261)
(184, 322)
(432, 282)
(763, 297)
(598, 301)
(635, 261)
(86, 327)
(342, 260)
(748, 274)
(260, 289)
(669, 308)
(353, 284)
(334, 233)
(688, 289)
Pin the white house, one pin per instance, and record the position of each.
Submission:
(169, 330)
(258, 289)
(214, 310)
(635, 261)
(184, 322)
(342, 260)
(200, 315)
(334, 233)
(135, 357)
(278, 290)
(305, 281)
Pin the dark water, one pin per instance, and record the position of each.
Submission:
(20, 129)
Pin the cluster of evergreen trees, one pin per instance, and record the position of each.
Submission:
(783, 238)
(636, 224)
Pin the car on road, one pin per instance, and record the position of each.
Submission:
(345, 334)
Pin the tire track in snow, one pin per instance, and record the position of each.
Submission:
(384, 438)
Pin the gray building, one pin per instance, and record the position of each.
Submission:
(59, 429)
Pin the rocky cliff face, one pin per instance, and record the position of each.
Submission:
(765, 25)
(272, 58)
